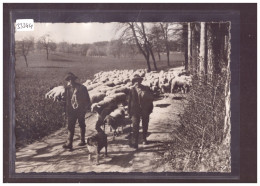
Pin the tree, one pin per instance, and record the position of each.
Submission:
(165, 27)
(46, 44)
(53, 46)
(185, 37)
(218, 41)
(195, 44)
(157, 39)
(132, 31)
(148, 44)
(101, 48)
(115, 48)
(203, 51)
(22, 48)
(189, 62)
(92, 51)
(171, 31)
(84, 49)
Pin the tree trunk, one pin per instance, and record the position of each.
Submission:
(189, 47)
(227, 121)
(194, 46)
(159, 55)
(216, 47)
(47, 52)
(25, 58)
(154, 62)
(165, 36)
(202, 54)
(148, 46)
(185, 44)
(148, 62)
(210, 67)
(168, 54)
(146, 55)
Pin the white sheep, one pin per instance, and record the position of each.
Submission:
(123, 89)
(96, 97)
(56, 93)
(182, 83)
(91, 87)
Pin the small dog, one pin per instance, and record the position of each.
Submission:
(96, 143)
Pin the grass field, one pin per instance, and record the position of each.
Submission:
(84, 66)
(37, 117)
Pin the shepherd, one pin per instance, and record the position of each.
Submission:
(140, 106)
(77, 104)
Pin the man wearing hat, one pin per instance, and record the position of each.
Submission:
(140, 106)
(77, 104)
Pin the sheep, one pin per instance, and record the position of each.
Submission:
(109, 84)
(162, 81)
(165, 88)
(87, 83)
(126, 80)
(107, 89)
(115, 119)
(91, 87)
(147, 83)
(180, 83)
(117, 82)
(98, 107)
(56, 93)
(165, 83)
(184, 73)
(117, 97)
(96, 97)
(108, 100)
(113, 86)
(102, 114)
(123, 89)
(103, 79)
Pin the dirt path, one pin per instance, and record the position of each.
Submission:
(48, 155)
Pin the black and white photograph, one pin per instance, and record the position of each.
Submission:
(123, 97)
(129, 95)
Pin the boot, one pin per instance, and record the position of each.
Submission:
(68, 144)
(82, 137)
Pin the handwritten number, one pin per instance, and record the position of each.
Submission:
(20, 26)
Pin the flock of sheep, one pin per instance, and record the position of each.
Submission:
(112, 87)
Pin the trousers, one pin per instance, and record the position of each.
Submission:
(99, 123)
(135, 130)
(72, 119)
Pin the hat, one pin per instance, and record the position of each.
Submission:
(137, 78)
(70, 76)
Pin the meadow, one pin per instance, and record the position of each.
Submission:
(36, 116)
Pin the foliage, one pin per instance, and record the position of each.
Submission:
(36, 117)
(23, 47)
(45, 43)
(197, 144)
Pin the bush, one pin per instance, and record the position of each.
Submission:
(35, 116)
(197, 143)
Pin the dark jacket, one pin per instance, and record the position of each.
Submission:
(82, 97)
(140, 105)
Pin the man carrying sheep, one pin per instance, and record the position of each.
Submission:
(77, 104)
(140, 106)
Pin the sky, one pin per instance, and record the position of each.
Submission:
(80, 33)
(71, 32)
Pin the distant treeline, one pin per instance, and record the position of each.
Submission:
(115, 48)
